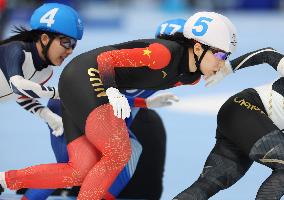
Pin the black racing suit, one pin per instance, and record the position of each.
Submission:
(246, 132)
(142, 64)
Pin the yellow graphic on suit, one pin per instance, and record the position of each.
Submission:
(147, 52)
(247, 105)
(96, 82)
(164, 74)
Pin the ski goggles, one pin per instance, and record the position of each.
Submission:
(67, 42)
(221, 55)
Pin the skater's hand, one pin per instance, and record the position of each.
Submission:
(161, 100)
(53, 120)
(119, 103)
(220, 75)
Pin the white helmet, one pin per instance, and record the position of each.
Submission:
(212, 29)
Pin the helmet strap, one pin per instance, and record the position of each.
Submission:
(198, 61)
(45, 49)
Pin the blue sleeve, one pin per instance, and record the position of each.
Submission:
(130, 100)
(12, 59)
(54, 106)
(58, 144)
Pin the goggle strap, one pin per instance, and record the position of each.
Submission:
(46, 48)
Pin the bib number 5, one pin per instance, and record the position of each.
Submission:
(201, 26)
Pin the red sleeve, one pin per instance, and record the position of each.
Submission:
(155, 56)
(140, 102)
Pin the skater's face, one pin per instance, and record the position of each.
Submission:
(60, 48)
(212, 61)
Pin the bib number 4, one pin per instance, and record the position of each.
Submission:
(48, 17)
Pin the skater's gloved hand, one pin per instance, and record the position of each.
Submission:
(220, 75)
(53, 120)
(161, 100)
(119, 103)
